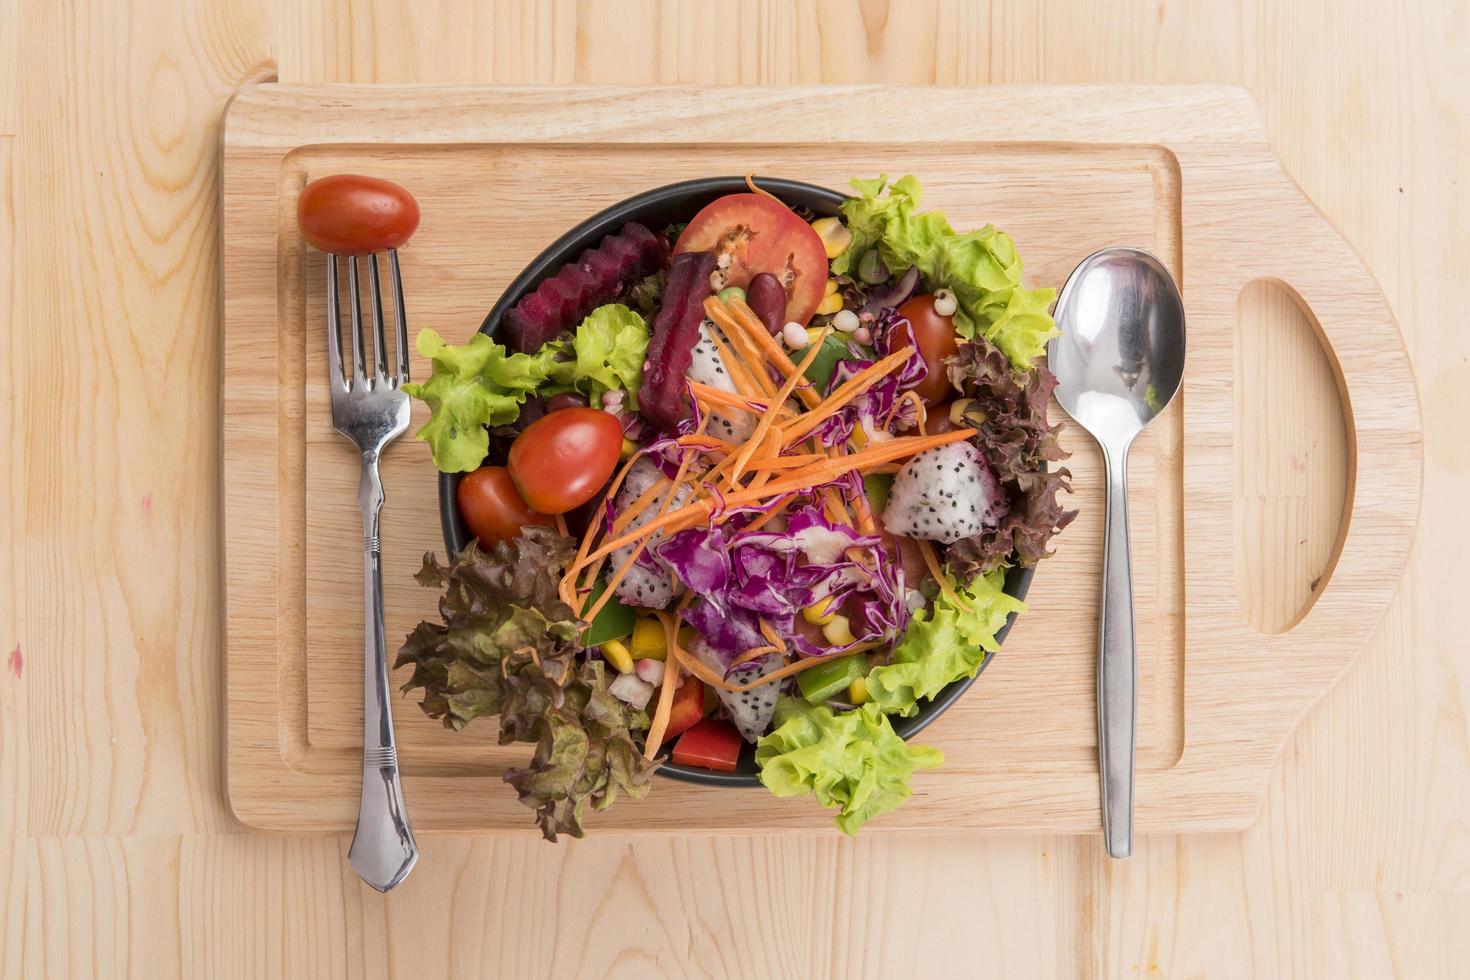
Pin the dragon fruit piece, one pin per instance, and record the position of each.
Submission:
(750, 711)
(707, 367)
(648, 580)
(944, 494)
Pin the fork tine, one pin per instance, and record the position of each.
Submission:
(399, 319)
(359, 368)
(334, 328)
(380, 342)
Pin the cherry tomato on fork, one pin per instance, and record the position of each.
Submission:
(348, 214)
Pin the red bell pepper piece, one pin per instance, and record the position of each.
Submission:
(711, 744)
(687, 709)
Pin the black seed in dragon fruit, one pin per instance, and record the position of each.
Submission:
(945, 494)
(647, 583)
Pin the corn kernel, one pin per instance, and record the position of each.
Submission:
(820, 613)
(648, 641)
(687, 636)
(957, 410)
(830, 304)
(815, 335)
(629, 447)
(838, 631)
(834, 234)
(832, 286)
(857, 691)
(615, 653)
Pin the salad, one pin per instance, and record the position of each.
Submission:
(750, 481)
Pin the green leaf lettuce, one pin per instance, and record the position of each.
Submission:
(943, 645)
(852, 760)
(479, 384)
(981, 267)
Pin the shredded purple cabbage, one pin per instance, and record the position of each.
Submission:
(741, 577)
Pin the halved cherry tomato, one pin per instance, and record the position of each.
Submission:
(562, 459)
(688, 707)
(347, 214)
(937, 340)
(492, 507)
(711, 744)
(762, 235)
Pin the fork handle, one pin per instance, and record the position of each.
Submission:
(383, 849)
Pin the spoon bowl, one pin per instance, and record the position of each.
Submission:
(1119, 361)
(1120, 357)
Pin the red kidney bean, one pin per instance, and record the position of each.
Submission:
(567, 399)
(767, 298)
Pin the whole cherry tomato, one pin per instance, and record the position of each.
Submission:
(935, 337)
(563, 458)
(492, 507)
(347, 214)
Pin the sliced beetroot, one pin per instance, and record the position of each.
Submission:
(599, 275)
(663, 399)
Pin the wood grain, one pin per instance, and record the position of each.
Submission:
(480, 161)
(1357, 867)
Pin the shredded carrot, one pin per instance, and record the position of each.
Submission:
(766, 421)
(627, 565)
(768, 445)
(784, 462)
(769, 632)
(864, 515)
(737, 317)
(754, 653)
(850, 389)
(750, 182)
(921, 414)
(659, 723)
(706, 442)
(728, 399)
(712, 677)
(740, 345)
(926, 549)
(803, 479)
(742, 374)
(638, 506)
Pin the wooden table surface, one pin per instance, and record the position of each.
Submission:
(118, 853)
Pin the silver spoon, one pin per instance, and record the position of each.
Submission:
(1118, 362)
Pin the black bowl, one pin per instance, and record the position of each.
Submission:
(659, 208)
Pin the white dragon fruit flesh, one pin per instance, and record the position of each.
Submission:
(648, 581)
(944, 494)
(750, 711)
(707, 367)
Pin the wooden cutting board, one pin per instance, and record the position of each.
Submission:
(500, 172)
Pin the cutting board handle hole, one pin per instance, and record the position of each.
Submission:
(1293, 457)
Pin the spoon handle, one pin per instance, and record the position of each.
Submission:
(1117, 682)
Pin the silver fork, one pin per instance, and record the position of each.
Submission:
(371, 409)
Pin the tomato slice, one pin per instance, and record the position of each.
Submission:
(492, 507)
(348, 214)
(562, 459)
(711, 744)
(688, 707)
(761, 235)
